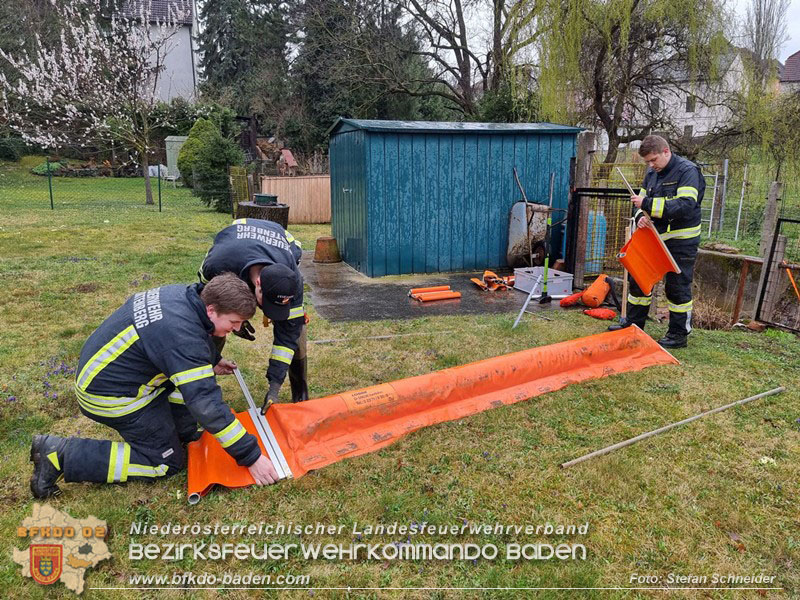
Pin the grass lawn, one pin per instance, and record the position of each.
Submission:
(719, 496)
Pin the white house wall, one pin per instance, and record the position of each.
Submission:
(178, 79)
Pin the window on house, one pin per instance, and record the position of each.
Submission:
(690, 103)
(688, 131)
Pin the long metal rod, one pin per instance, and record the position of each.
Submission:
(627, 185)
(379, 337)
(741, 200)
(713, 204)
(244, 388)
(643, 436)
(264, 432)
(527, 300)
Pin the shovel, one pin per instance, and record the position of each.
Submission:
(546, 299)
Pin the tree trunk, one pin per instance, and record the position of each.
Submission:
(613, 147)
(148, 190)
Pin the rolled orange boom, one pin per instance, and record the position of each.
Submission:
(430, 296)
(319, 432)
(646, 258)
(425, 290)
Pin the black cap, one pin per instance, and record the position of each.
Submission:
(278, 287)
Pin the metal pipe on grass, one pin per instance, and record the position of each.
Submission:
(643, 436)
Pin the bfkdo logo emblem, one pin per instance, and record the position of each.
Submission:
(46, 562)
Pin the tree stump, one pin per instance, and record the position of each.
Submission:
(279, 213)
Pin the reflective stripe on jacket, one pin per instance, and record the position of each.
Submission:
(673, 198)
(159, 342)
(248, 242)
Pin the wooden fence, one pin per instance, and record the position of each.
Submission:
(308, 197)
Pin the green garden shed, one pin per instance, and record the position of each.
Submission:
(426, 197)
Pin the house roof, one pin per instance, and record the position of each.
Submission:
(342, 125)
(791, 70)
(160, 10)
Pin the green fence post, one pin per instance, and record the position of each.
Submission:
(50, 183)
(159, 187)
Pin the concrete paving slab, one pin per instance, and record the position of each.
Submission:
(340, 293)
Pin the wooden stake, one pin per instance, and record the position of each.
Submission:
(643, 436)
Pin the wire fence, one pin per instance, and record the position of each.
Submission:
(735, 199)
(39, 183)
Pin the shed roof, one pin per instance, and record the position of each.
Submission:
(343, 125)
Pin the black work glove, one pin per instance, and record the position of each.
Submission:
(246, 331)
(271, 397)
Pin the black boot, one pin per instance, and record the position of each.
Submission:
(298, 371)
(45, 451)
(673, 340)
(623, 323)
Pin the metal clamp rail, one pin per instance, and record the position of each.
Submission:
(264, 431)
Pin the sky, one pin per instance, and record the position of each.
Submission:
(792, 45)
(793, 29)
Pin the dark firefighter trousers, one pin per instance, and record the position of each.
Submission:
(677, 287)
(153, 447)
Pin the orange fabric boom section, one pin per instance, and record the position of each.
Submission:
(319, 432)
(646, 258)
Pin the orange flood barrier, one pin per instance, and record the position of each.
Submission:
(646, 258)
(426, 290)
(431, 296)
(319, 432)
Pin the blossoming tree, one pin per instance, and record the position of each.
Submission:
(98, 83)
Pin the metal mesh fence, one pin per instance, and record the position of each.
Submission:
(27, 184)
(735, 197)
(779, 302)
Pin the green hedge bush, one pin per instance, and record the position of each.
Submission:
(12, 148)
(214, 155)
(187, 157)
(41, 169)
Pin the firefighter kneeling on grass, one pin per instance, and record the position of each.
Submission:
(149, 371)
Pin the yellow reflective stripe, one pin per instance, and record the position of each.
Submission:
(231, 434)
(54, 459)
(657, 209)
(87, 403)
(201, 276)
(126, 461)
(147, 471)
(239, 222)
(112, 461)
(289, 236)
(642, 192)
(117, 401)
(117, 460)
(639, 300)
(688, 191)
(194, 374)
(283, 354)
(176, 397)
(680, 308)
(681, 234)
(116, 346)
(296, 312)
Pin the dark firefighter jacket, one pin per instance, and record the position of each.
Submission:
(672, 199)
(159, 340)
(248, 242)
